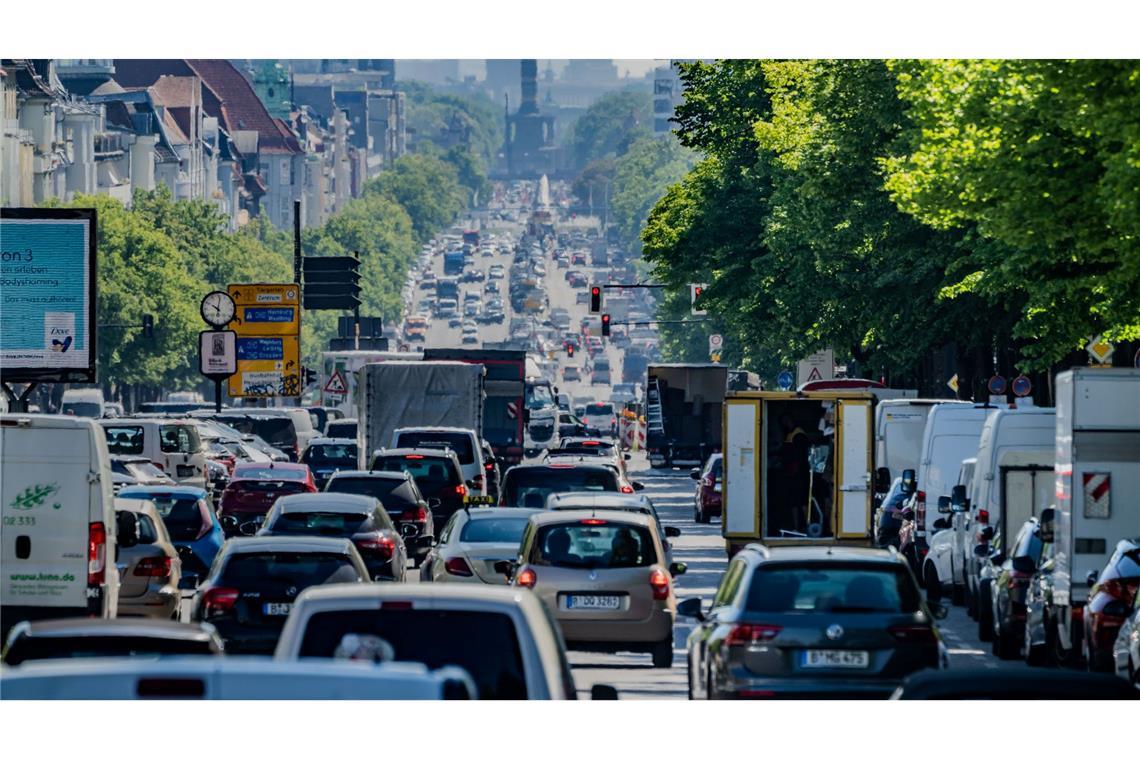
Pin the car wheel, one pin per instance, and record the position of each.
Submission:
(958, 595)
(1004, 647)
(971, 602)
(1035, 656)
(985, 613)
(663, 653)
(931, 582)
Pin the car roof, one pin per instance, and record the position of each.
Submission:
(295, 466)
(586, 440)
(436, 592)
(603, 499)
(145, 506)
(377, 474)
(146, 491)
(167, 629)
(332, 441)
(1050, 684)
(608, 467)
(547, 517)
(424, 452)
(433, 429)
(326, 501)
(250, 544)
(487, 513)
(828, 553)
(129, 458)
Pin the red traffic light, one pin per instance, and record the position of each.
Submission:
(605, 324)
(595, 299)
(569, 349)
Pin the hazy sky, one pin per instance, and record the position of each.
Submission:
(637, 67)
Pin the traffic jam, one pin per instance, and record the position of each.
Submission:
(520, 499)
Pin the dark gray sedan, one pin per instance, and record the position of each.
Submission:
(811, 621)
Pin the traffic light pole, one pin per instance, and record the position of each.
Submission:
(356, 312)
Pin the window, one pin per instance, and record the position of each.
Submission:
(596, 543)
(125, 439)
(501, 530)
(186, 518)
(256, 472)
(268, 570)
(179, 439)
(432, 474)
(337, 524)
(395, 495)
(729, 584)
(148, 533)
(529, 487)
(832, 587)
(331, 453)
(460, 443)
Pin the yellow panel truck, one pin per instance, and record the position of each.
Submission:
(798, 467)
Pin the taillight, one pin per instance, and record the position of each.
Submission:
(421, 514)
(153, 567)
(627, 489)
(707, 482)
(914, 634)
(592, 521)
(1117, 589)
(159, 465)
(984, 516)
(659, 582)
(752, 633)
(527, 578)
(382, 545)
(488, 467)
(920, 511)
(96, 553)
(461, 489)
(458, 566)
(219, 600)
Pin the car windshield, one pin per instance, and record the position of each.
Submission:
(832, 587)
(185, 517)
(331, 453)
(600, 409)
(529, 487)
(432, 474)
(458, 442)
(267, 486)
(488, 648)
(269, 473)
(286, 568)
(27, 648)
(594, 543)
(538, 396)
(392, 492)
(339, 524)
(501, 530)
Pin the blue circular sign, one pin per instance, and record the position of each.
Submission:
(997, 385)
(1022, 386)
(785, 379)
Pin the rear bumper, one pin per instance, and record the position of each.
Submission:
(801, 688)
(245, 638)
(616, 635)
(155, 604)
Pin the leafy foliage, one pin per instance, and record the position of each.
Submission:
(609, 126)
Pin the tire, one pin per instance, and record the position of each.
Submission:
(1036, 656)
(971, 602)
(1004, 647)
(931, 582)
(701, 517)
(985, 613)
(663, 653)
(958, 595)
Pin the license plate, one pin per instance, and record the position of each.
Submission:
(836, 658)
(277, 608)
(592, 602)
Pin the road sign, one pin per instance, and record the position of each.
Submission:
(785, 380)
(336, 384)
(217, 353)
(953, 383)
(1021, 386)
(716, 343)
(997, 385)
(1100, 350)
(818, 366)
(268, 327)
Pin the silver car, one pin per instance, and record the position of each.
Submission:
(150, 570)
(472, 542)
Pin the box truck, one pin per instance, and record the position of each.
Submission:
(683, 412)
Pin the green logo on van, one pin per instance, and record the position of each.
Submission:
(34, 496)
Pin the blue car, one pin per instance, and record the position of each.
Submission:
(190, 520)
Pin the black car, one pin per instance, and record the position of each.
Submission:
(361, 519)
(1009, 588)
(277, 430)
(436, 472)
(528, 485)
(492, 475)
(979, 683)
(326, 456)
(121, 637)
(343, 428)
(814, 622)
(403, 502)
(251, 587)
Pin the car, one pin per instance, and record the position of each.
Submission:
(986, 684)
(582, 298)
(193, 525)
(344, 428)
(325, 456)
(1111, 597)
(600, 418)
(278, 431)
(604, 578)
(586, 446)
(469, 338)
(129, 470)
(1126, 648)
(496, 272)
(74, 638)
(463, 441)
(491, 287)
(454, 320)
(594, 345)
(492, 474)
(174, 445)
(472, 542)
(436, 472)
(710, 482)
(624, 393)
(569, 425)
(503, 638)
(253, 490)
(813, 622)
(1010, 587)
(361, 519)
(253, 583)
(576, 279)
(528, 485)
(623, 502)
(150, 570)
(402, 500)
(571, 373)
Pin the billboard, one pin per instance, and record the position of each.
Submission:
(268, 346)
(47, 295)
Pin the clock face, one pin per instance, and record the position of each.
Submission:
(218, 308)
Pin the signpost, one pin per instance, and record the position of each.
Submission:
(818, 366)
(785, 380)
(1022, 386)
(1100, 351)
(268, 327)
(217, 359)
(996, 385)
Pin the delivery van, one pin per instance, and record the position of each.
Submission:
(173, 445)
(59, 531)
(899, 426)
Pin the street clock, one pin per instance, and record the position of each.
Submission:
(218, 308)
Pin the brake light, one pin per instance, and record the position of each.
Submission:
(457, 566)
(383, 545)
(592, 521)
(914, 634)
(413, 456)
(219, 600)
(396, 605)
(159, 465)
(461, 489)
(659, 582)
(920, 512)
(527, 578)
(153, 567)
(96, 553)
(627, 489)
(488, 467)
(984, 516)
(421, 515)
(748, 634)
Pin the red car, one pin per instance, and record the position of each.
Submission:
(710, 479)
(1110, 603)
(254, 489)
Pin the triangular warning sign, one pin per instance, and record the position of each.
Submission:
(814, 374)
(336, 384)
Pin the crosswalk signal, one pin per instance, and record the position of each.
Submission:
(595, 299)
(695, 290)
(605, 324)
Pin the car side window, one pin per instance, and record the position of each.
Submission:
(445, 534)
(730, 584)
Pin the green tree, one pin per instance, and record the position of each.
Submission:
(430, 113)
(426, 187)
(640, 177)
(609, 126)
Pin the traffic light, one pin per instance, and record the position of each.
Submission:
(331, 282)
(308, 376)
(570, 350)
(595, 299)
(605, 324)
(695, 290)
(148, 325)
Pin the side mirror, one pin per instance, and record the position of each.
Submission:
(1090, 579)
(126, 529)
(248, 529)
(987, 533)
(638, 486)
(603, 691)
(677, 568)
(229, 524)
(958, 498)
(672, 531)
(939, 611)
(882, 479)
(434, 503)
(943, 505)
(695, 473)
(909, 482)
(628, 457)
(505, 568)
(691, 608)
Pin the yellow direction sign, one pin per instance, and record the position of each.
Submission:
(953, 383)
(268, 326)
(1100, 350)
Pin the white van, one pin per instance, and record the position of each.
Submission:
(173, 445)
(899, 426)
(83, 402)
(1097, 482)
(59, 529)
(1012, 482)
(462, 441)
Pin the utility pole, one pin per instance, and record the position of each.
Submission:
(297, 241)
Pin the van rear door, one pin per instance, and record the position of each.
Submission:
(853, 469)
(46, 514)
(742, 457)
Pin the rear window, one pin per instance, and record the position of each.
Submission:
(597, 448)
(179, 439)
(337, 524)
(330, 453)
(499, 530)
(268, 486)
(430, 473)
(269, 473)
(600, 408)
(124, 439)
(277, 431)
(594, 543)
(488, 648)
(185, 518)
(832, 588)
(284, 569)
(529, 487)
(27, 648)
(341, 430)
(460, 443)
(395, 495)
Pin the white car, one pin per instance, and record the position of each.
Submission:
(471, 544)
